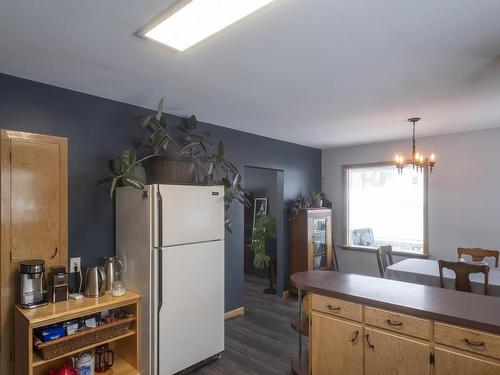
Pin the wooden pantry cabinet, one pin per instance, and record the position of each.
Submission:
(34, 217)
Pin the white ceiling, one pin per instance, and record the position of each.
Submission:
(322, 73)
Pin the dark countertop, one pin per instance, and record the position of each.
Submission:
(444, 305)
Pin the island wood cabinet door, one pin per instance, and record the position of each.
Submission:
(336, 346)
(388, 354)
(451, 363)
(33, 209)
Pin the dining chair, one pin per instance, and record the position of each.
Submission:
(462, 271)
(384, 258)
(478, 254)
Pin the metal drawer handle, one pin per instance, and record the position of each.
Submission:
(370, 345)
(474, 343)
(331, 308)
(394, 323)
(355, 338)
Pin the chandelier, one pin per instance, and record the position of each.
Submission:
(418, 161)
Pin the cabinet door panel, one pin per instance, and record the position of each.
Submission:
(33, 181)
(387, 354)
(320, 240)
(451, 363)
(336, 346)
(35, 201)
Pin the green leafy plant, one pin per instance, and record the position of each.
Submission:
(265, 227)
(316, 196)
(210, 165)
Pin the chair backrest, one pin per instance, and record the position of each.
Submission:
(384, 258)
(462, 271)
(478, 254)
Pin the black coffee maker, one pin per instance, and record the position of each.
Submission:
(33, 286)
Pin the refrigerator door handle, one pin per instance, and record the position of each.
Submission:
(160, 244)
(160, 304)
(159, 206)
(160, 279)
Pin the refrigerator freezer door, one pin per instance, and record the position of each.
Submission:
(191, 214)
(191, 319)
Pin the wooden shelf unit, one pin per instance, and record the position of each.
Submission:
(300, 325)
(126, 346)
(300, 365)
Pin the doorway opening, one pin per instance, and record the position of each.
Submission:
(265, 192)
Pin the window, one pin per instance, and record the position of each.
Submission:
(383, 207)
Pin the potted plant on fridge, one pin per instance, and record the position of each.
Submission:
(177, 155)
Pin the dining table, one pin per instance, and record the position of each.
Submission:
(426, 272)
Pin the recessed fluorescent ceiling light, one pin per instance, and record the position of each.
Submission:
(196, 20)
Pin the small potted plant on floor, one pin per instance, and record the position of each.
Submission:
(261, 241)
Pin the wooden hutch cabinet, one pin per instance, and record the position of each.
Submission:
(310, 240)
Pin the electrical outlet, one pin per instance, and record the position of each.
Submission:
(75, 262)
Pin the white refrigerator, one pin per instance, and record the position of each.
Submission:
(172, 240)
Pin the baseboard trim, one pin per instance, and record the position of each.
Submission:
(240, 311)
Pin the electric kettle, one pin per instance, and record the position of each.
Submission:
(113, 267)
(95, 282)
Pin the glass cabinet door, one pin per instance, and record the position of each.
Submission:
(319, 243)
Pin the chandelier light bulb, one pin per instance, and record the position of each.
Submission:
(433, 157)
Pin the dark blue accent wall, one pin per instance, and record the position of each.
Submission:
(98, 129)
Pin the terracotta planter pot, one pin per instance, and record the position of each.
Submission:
(171, 170)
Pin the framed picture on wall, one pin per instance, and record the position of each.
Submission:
(259, 209)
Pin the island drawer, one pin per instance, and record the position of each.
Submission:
(332, 306)
(392, 321)
(467, 339)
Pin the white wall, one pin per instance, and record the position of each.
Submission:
(464, 192)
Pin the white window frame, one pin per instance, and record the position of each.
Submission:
(345, 210)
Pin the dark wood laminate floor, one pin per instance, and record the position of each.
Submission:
(261, 342)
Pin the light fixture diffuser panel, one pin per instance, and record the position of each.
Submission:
(198, 19)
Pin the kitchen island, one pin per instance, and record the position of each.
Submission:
(365, 325)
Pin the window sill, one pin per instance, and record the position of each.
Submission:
(370, 249)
